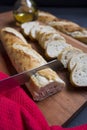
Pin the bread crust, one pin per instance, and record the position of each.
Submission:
(46, 17)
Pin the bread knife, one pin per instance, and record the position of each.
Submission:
(23, 77)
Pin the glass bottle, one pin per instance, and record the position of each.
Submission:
(25, 11)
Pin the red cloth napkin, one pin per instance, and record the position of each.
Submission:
(19, 112)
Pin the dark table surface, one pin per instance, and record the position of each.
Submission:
(78, 15)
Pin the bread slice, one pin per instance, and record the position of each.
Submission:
(79, 58)
(27, 26)
(67, 54)
(80, 35)
(33, 32)
(55, 47)
(78, 76)
(23, 57)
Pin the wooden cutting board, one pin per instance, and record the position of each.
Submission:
(60, 107)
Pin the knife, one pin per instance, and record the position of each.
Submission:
(23, 77)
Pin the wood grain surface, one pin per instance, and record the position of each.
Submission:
(60, 107)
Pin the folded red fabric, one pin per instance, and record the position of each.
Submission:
(19, 112)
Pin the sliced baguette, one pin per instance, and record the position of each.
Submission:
(67, 54)
(23, 57)
(79, 58)
(49, 39)
(78, 76)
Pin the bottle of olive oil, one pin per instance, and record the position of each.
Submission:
(25, 11)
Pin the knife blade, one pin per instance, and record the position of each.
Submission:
(23, 77)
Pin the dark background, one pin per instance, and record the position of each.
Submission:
(56, 3)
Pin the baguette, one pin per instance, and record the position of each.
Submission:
(46, 17)
(23, 57)
(72, 29)
(65, 26)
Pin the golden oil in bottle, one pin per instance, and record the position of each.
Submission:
(25, 11)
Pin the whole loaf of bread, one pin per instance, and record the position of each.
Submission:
(23, 57)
